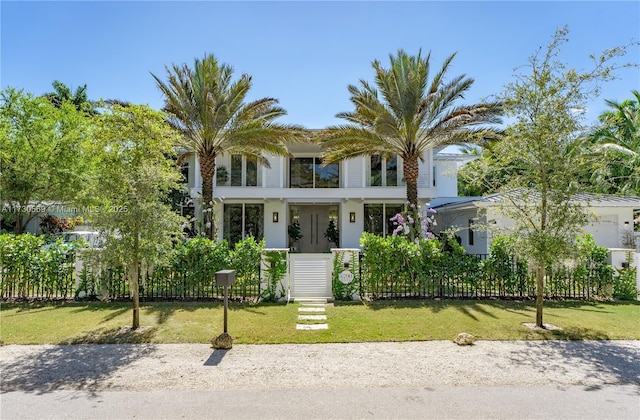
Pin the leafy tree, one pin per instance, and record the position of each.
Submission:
(62, 93)
(406, 114)
(209, 109)
(543, 153)
(618, 138)
(43, 155)
(134, 145)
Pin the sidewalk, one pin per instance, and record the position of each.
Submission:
(96, 368)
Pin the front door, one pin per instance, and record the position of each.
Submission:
(314, 221)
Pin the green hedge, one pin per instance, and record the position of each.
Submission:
(393, 267)
(390, 267)
(190, 273)
(30, 267)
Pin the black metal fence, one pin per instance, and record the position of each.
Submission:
(479, 276)
(453, 276)
(166, 284)
(35, 283)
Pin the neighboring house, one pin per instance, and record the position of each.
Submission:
(358, 195)
(611, 226)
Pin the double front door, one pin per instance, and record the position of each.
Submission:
(314, 221)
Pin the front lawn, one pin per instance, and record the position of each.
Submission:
(197, 322)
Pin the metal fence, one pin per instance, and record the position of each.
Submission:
(462, 276)
(477, 276)
(112, 284)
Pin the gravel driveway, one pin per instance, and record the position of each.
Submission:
(430, 363)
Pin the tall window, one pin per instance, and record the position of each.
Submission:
(309, 173)
(242, 221)
(236, 170)
(184, 171)
(376, 218)
(244, 171)
(383, 171)
(251, 172)
(471, 238)
(376, 171)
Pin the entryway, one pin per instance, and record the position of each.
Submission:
(314, 221)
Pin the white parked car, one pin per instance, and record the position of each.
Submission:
(92, 237)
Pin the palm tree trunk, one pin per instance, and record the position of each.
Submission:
(411, 178)
(207, 172)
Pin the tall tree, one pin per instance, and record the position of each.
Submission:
(208, 107)
(543, 153)
(63, 93)
(43, 155)
(134, 146)
(618, 138)
(406, 114)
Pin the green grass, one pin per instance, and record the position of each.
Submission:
(198, 322)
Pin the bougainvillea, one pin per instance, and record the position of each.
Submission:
(414, 223)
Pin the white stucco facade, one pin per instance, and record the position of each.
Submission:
(611, 220)
(295, 188)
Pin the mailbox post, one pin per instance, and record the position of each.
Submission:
(225, 278)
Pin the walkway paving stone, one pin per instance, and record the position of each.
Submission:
(312, 326)
(312, 317)
(311, 312)
(306, 309)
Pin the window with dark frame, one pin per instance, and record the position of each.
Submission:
(308, 172)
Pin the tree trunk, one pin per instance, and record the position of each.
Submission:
(134, 273)
(22, 221)
(18, 229)
(410, 169)
(207, 172)
(539, 295)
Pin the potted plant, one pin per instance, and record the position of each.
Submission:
(294, 234)
(332, 233)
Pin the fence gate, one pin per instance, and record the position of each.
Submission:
(310, 275)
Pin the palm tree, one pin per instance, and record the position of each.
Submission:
(208, 108)
(406, 115)
(62, 93)
(619, 139)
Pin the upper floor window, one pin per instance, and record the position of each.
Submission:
(308, 172)
(384, 172)
(243, 172)
(184, 171)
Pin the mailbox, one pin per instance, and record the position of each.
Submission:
(225, 277)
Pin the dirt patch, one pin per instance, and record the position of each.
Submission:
(547, 327)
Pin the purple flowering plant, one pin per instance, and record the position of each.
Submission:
(414, 223)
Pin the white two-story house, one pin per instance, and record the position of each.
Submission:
(358, 195)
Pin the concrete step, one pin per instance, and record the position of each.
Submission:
(305, 309)
(312, 317)
(312, 327)
(312, 300)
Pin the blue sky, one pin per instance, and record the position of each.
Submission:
(303, 53)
